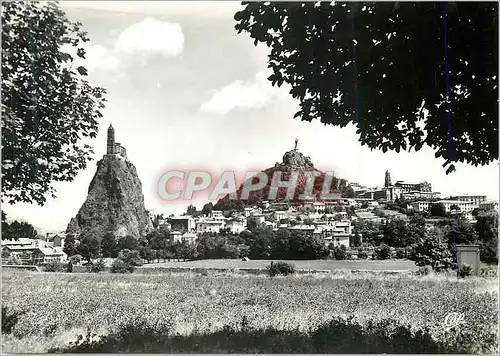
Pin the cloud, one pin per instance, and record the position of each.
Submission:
(144, 38)
(99, 57)
(151, 36)
(241, 95)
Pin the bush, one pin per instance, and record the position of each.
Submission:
(465, 271)
(9, 320)
(400, 253)
(97, 266)
(362, 255)
(75, 259)
(424, 271)
(383, 252)
(54, 266)
(489, 271)
(280, 268)
(120, 266)
(339, 252)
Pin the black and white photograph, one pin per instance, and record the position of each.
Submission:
(223, 177)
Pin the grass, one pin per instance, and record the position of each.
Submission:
(61, 306)
(322, 265)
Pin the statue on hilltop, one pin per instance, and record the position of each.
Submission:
(296, 144)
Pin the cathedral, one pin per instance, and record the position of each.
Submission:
(114, 148)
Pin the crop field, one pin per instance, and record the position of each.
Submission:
(58, 307)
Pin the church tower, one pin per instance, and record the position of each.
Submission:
(111, 140)
(387, 179)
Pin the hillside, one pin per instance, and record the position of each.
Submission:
(293, 161)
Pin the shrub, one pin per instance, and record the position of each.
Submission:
(465, 271)
(54, 266)
(489, 271)
(424, 271)
(280, 268)
(75, 259)
(9, 320)
(339, 252)
(97, 266)
(362, 254)
(400, 253)
(120, 266)
(383, 252)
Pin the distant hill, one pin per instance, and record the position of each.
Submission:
(293, 161)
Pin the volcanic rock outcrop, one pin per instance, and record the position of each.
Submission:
(115, 203)
(293, 161)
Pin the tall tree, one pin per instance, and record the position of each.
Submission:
(69, 247)
(88, 248)
(382, 66)
(47, 105)
(109, 245)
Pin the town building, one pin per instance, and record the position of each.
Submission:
(463, 206)
(420, 206)
(182, 223)
(475, 200)
(212, 226)
(34, 251)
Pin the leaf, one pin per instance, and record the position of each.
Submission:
(80, 53)
(82, 70)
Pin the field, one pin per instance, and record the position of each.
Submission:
(315, 265)
(58, 307)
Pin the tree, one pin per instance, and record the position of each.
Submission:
(130, 257)
(345, 61)
(395, 233)
(260, 243)
(191, 210)
(461, 231)
(430, 252)
(47, 105)
(383, 252)
(69, 245)
(437, 209)
(369, 231)
(156, 219)
(109, 245)
(128, 242)
(88, 248)
(487, 231)
(339, 252)
(17, 230)
(207, 209)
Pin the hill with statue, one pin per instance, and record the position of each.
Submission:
(293, 161)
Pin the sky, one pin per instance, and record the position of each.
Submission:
(185, 90)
